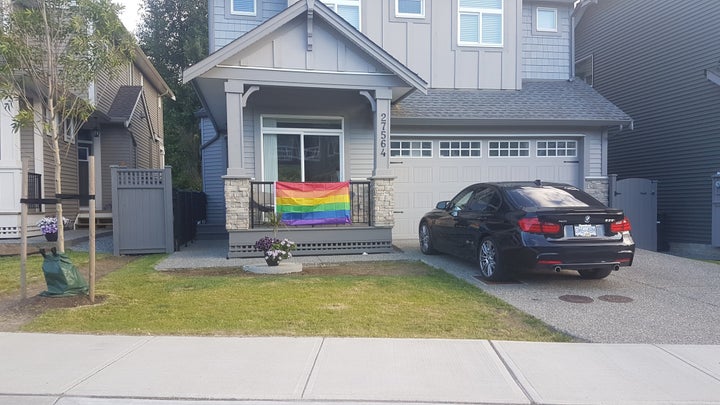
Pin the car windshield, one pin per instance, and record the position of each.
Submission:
(550, 197)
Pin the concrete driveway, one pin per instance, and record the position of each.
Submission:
(661, 299)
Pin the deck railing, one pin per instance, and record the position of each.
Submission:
(262, 202)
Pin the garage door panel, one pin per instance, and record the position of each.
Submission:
(471, 174)
(520, 173)
(449, 174)
(423, 182)
(402, 173)
(422, 175)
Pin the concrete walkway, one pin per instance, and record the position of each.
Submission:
(40, 369)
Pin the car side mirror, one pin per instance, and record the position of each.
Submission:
(443, 205)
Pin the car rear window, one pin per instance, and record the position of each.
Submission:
(550, 197)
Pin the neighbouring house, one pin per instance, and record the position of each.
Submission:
(408, 100)
(126, 130)
(660, 62)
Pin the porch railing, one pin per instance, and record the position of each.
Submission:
(262, 202)
(34, 191)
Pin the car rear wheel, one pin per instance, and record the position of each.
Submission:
(594, 274)
(426, 245)
(489, 259)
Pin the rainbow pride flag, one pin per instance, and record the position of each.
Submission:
(313, 203)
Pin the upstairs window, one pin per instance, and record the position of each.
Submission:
(349, 10)
(546, 19)
(243, 7)
(410, 8)
(584, 69)
(480, 22)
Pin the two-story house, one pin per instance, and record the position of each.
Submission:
(126, 129)
(409, 100)
(660, 62)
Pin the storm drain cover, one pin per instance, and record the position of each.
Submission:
(615, 298)
(576, 299)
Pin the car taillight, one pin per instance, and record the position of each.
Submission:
(620, 226)
(534, 225)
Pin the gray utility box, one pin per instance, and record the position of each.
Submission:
(716, 209)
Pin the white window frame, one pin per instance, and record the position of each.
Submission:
(544, 145)
(413, 147)
(586, 74)
(479, 12)
(333, 5)
(450, 148)
(509, 148)
(235, 12)
(400, 14)
(540, 28)
(302, 133)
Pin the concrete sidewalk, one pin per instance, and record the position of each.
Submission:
(43, 369)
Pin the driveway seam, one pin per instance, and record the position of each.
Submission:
(689, 363)
(312, 368)
(510, 371)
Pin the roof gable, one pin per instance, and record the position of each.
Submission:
(306, 28)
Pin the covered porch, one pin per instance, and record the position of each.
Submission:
(304, 98)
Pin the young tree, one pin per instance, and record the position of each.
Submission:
(50, 53)
(174, 35)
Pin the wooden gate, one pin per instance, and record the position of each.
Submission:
(638, 198)
(142, 211)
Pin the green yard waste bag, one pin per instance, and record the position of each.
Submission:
(62, 277)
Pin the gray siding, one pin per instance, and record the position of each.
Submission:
(658, 79)
(117, 150)
(226, 27)
(214, 158)
(427, 46)
(546, 55)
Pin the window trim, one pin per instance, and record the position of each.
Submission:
(498, 149)
(590, 60)
(410, 156)
(556, 148)
(479, 12)
(337, 3)
(234, 12)
(398, 14)
(538, 28)
(449, 148)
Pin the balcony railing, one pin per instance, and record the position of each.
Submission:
(262, 202)
(34, 191)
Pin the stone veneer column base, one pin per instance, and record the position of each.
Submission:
(382, 193)
(598, 188)
(237, 203)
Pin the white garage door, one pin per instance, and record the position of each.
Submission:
(433, 170)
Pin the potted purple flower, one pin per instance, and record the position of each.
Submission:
(49, 227)
(275, 250)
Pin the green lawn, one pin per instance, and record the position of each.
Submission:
(10, 270)
(425, 303)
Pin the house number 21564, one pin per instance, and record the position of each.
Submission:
(383, 134)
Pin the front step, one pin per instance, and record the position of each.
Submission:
(102, 219)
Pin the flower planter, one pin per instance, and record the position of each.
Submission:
(272, 262)
(51, 237)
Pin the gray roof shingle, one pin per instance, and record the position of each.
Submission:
(554, 102)
(124, 103)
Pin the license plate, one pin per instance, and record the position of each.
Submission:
(585, 230)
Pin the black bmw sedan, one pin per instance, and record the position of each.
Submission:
(529, 225)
